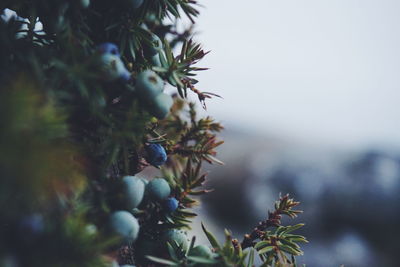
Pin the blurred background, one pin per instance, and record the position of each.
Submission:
(311, 106)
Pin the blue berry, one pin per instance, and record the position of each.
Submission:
(156, 154)
(125, 225)
(32, 224)
(158, 189)
(108, 48)
(171, 204)
(134, 190)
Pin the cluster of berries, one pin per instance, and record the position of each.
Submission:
(123, 223)
(136, 189)
(149, 86)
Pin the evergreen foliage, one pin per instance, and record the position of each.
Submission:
(82, 111)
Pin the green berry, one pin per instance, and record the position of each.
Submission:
(91, 229)
(144, 181)
(155, 60)
(201, 251)
(149, 85)
(84, 3)
(158, 189)
(161, 106)
(178, 236)
(134, 191)
(125, 225)
(155, 47)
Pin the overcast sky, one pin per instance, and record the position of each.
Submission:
(321, 70)
(325, 70)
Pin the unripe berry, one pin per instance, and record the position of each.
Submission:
(84, 3)
(158, 189)
(91, 229)
(155, 60)
(161, 106)
(177, 236)
(156, 46)
(113, 68)
(170, 204)
(149, 85)
(125, 225)
(156, 154)
(134, 191)
(144, 181)
(201, 251)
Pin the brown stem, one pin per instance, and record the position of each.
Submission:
(274, 219)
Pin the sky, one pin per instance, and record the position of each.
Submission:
(317, 70)
(324, 71)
